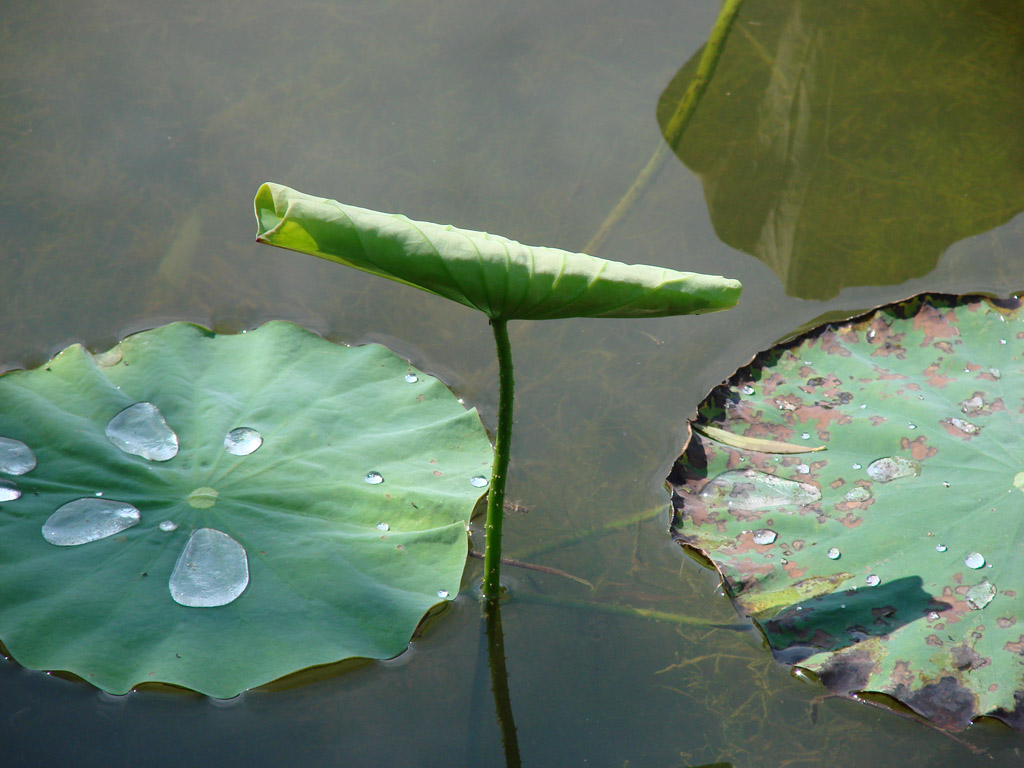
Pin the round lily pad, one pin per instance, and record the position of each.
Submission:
(216, 511)
(893, 560)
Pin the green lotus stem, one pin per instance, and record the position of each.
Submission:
(499, 469)
(676, 125)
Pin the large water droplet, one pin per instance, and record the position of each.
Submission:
(9, 491)
(748, 489)
(212, 570)
(442, 593)
(16, 458)
(89, 519)
(940, 547)
(167, 526)
(981, 595)
(974, 560)
(964, 426)
(833, 553)
(872, 580)
(805, 436)
(412, 378)
(765, 536)
(933, 616)
(746, 389)
(242, 441)
(892, 468)
(383, 527)
(374, 478)
(140, 430)
(479, 481)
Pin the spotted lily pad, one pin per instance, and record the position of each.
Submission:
(893, 561)
(216, 511)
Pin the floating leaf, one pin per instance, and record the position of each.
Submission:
(896, 566)
(500, 277)
(254, 551)
(826, 144)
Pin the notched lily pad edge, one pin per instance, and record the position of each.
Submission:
(1011, 302)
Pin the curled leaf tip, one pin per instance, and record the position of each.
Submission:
(502, 278)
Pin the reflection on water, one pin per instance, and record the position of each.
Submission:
(851, 143)
(134, 135)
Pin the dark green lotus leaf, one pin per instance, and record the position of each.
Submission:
(296, 503)
(835, 151)
(893, 561)
(500, 277)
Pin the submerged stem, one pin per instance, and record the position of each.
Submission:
(499, 470)
(676, 125)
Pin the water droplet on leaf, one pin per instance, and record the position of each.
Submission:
(140, 430)
(167, 526)
(412, 378)
(9, 491)
(202, 498)
(872, 580)
(765, 536)
(442, 593)
(940, 548)
(833, 553)
(16, 458)
(383, 527)
(211, 570)
(89, 519)
(374, 478)
(892, 468)
(479, 481)
(858, 493)
(748, 489)
(746, 389)
(974, 560)
(980, 595)
(242, 441)
(805, 436)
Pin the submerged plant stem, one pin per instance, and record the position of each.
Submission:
(676, 125)
(499, 683)
(499, 470)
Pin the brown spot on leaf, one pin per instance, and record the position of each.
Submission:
(936, 379)
(934, 640)
(901, 674)
(1005, 622)
(837, 483)
(848, 672)
(876, 420)
(918, 448)
(946, 703)
(965, 657)
(850, 520)
(935, 324)
(1017, 647)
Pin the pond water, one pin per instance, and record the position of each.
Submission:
(848, 155)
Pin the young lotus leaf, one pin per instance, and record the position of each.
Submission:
(892, 561)
(502, 278)
(216, 511)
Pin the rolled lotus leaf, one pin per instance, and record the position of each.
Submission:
(502, 278)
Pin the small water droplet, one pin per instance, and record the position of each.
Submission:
(911, 426)
(1002, 341)
(974, 560)
(383, 527)
(802, 469)
(805, 436)
(746, 389)
(479, 481)
(242, 441)
(98, 493)
(140, 430)
(940, 547)
(945, 484)
(892, 468)
(784, 561)
(412, 378)
(9, 491)
(765, 536)
(16, 458)
(872, 580)
(834, 553)
(211, 570)
(996, 373)
(89, 519)
(167, 526)
(442, 593)
(933, 616)
(374, 478)
(858, 493)
(863, 406)
(857, 466)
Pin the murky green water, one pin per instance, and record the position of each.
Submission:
(860, 153)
